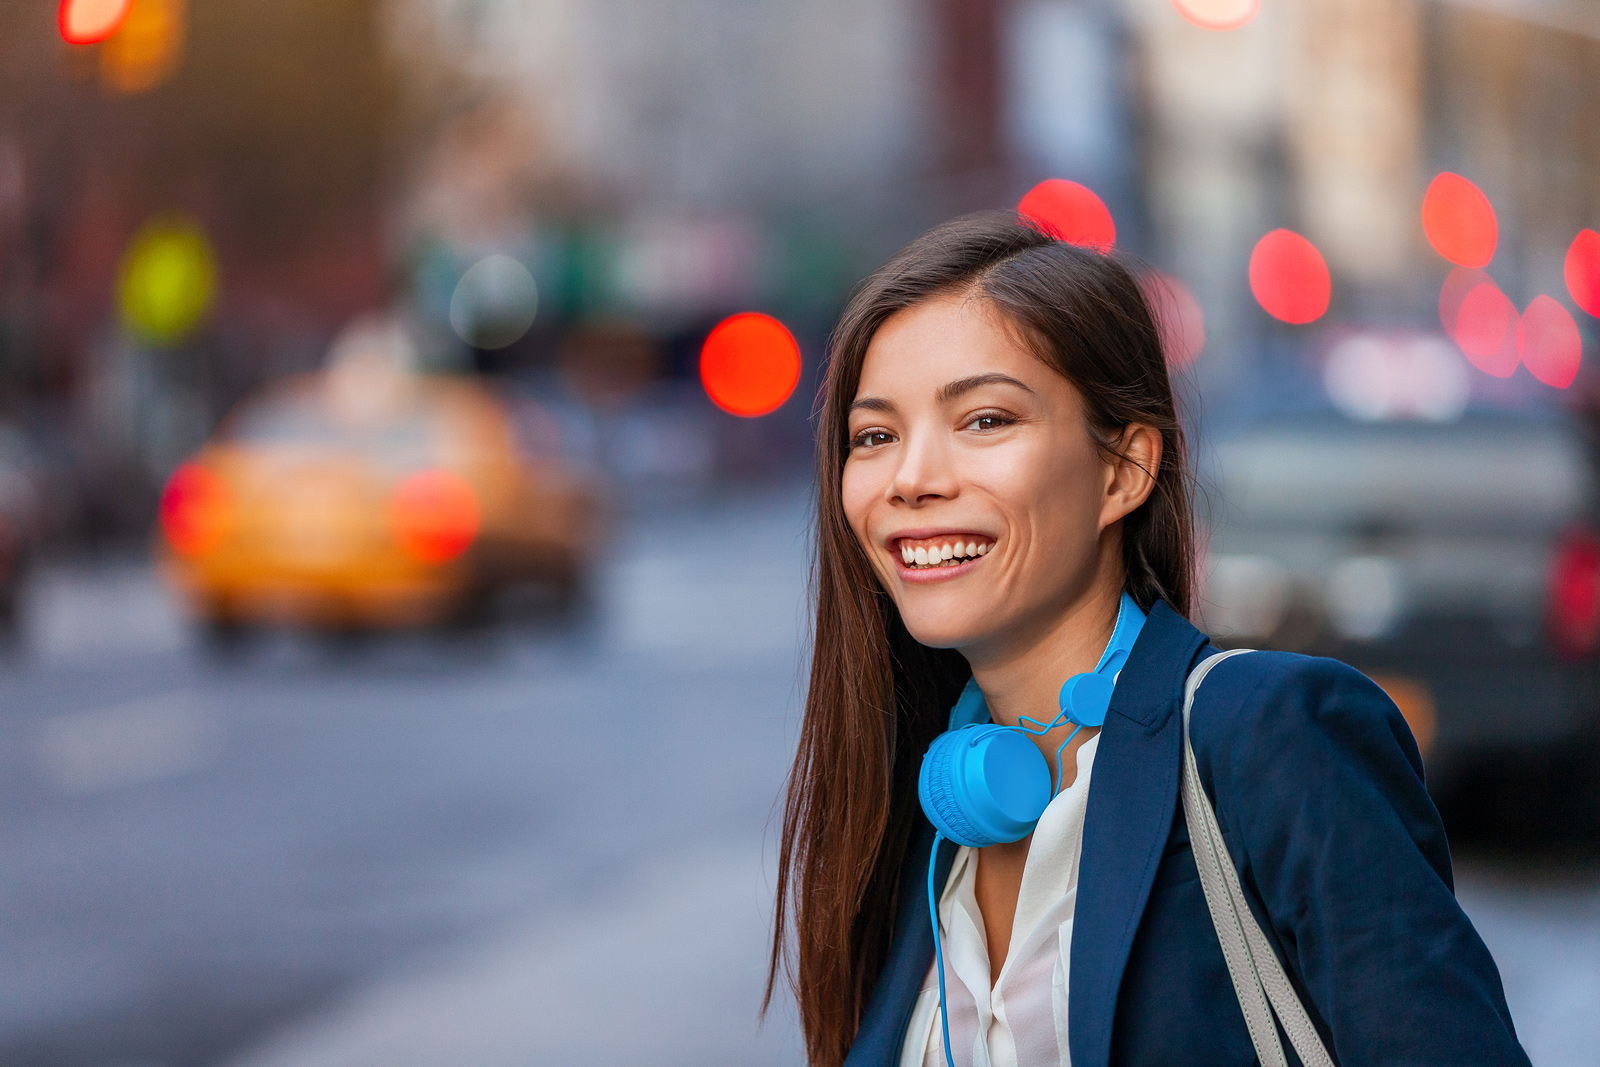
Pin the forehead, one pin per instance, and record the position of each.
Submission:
(940, 340)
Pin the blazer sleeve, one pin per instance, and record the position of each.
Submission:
(1320, 784)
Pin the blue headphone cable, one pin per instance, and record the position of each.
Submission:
(933, 896)
(1041, 728)
(938, 949)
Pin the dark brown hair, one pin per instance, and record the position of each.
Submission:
(877, 697)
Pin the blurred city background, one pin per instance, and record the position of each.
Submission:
(405, 457)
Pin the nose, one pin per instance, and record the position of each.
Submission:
(924, 474)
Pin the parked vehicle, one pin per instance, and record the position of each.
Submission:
(363, 498)
(1457, 563)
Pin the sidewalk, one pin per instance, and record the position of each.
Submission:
(667, 971)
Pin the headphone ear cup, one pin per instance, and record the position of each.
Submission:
(1085, 698)
(938, 790)
(983, 785)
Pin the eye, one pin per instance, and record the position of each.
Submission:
(989, 421)
(871, 439)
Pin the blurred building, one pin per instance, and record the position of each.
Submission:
(698, 130)
(1330, 117)
(673, 160)
(653, 166)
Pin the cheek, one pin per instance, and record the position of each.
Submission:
(858, 490)
(1054, 489)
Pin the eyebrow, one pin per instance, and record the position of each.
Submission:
(947, 392)
(951, 390)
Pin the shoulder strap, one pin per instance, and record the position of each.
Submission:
(1257, 975)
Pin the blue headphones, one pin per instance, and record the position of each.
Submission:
(982, 784)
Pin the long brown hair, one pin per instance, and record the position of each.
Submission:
(877, 697)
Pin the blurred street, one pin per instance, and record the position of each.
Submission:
(546, 845)
(453, 364)
(199, 854)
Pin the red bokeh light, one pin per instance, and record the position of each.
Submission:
(1070, 212)
(435, 516)
(750, 364)
(1583, 271)
(1457, 284)
(195, 508)
(1459, 221)
(91, 21)
(1486, 330)
(1549, 343)
(1218, 14)
(1574, 608)
(1290, 278)
(1179, 317)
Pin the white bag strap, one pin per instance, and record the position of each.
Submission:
(1257, 975)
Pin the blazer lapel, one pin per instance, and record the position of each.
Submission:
(888, 1013)
(1132, 797)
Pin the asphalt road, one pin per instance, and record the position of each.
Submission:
(548, 845)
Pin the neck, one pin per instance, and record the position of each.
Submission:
(1024, 677)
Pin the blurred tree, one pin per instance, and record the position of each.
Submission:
(280, 115)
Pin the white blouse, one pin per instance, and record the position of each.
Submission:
(1022, 1020)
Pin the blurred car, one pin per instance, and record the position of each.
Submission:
(363, 497)
(20, 521)
(1456, 563)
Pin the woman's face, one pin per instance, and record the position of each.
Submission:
(973, 483)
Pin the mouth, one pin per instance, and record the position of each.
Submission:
(941, 555)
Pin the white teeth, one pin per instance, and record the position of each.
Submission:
(938, 555)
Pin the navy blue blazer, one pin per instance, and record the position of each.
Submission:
(1318, 789)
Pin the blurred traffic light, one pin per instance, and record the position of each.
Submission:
(1582, 271)
(1070, 212)
(1290, 278)
(1549, 343)
(145, 50)
(1459, 221)
(1486, 329)
(1179, 318)
(750, 364)
(91, 21)
(167, 281)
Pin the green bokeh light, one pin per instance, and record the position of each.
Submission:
(168, 279)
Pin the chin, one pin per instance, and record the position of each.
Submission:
(942, 629)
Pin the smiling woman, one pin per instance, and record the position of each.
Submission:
(998, 390)
(1005, 545)
(960, 435)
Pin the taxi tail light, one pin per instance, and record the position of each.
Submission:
(1574, 609)
(196, 506)
(435, 515)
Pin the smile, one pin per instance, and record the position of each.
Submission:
(932, 553)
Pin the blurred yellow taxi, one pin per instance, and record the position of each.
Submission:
(367, 497)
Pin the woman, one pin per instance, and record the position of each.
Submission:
(1001, 475)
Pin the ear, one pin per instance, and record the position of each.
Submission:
(1130, 477)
